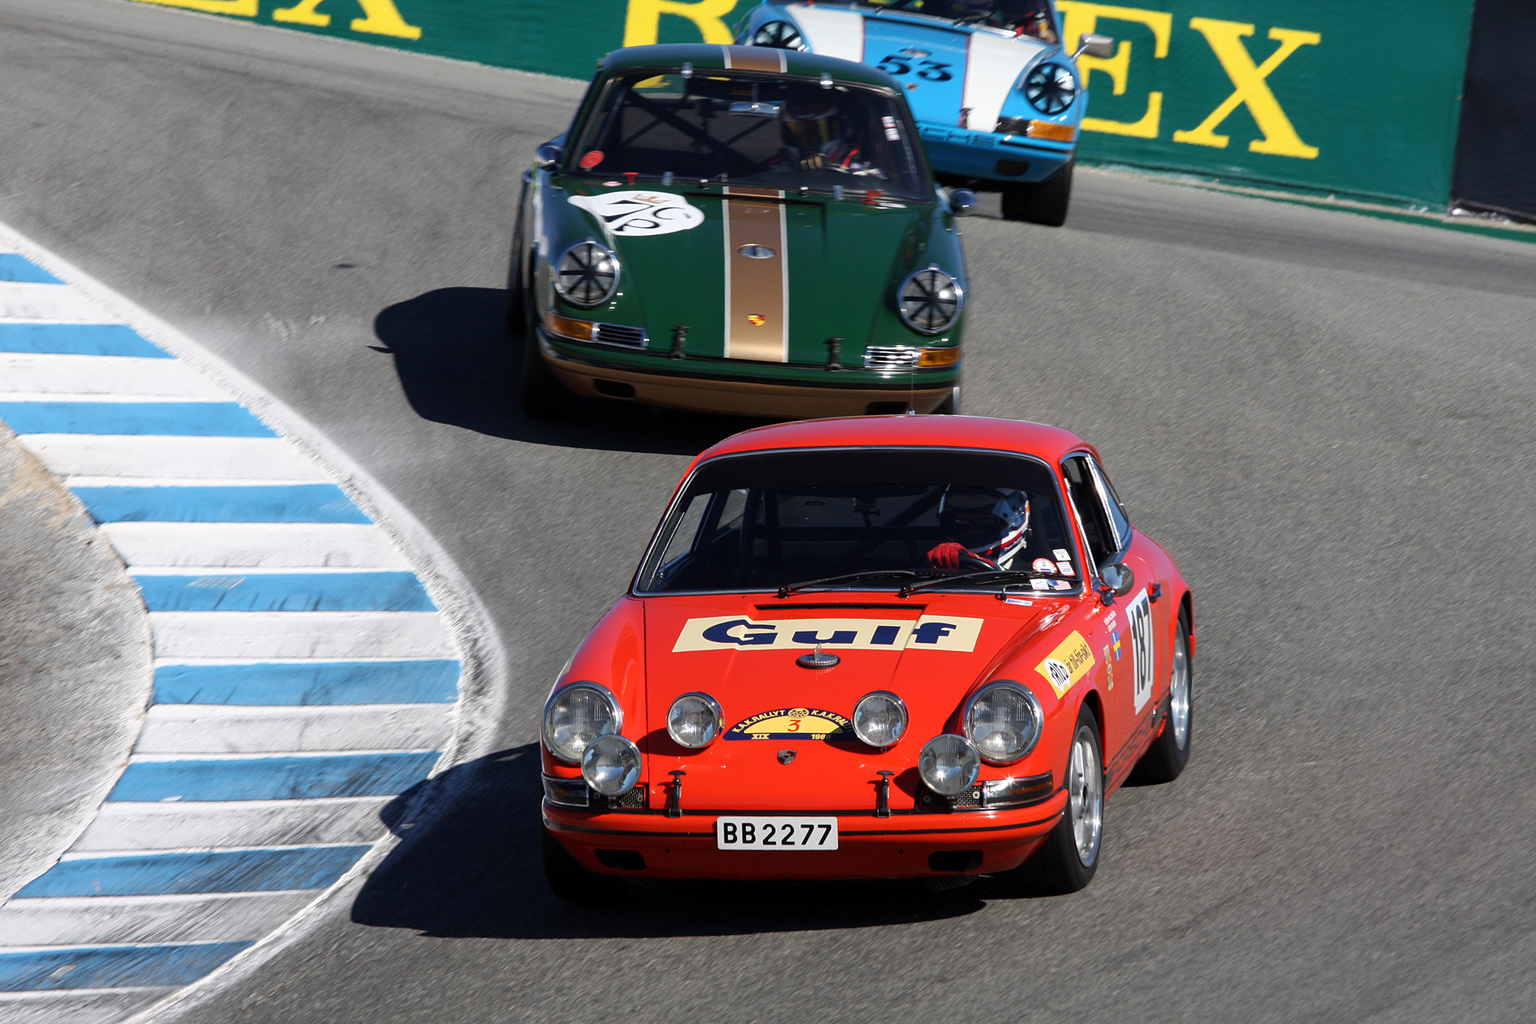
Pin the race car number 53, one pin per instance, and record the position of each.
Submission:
(776, 833)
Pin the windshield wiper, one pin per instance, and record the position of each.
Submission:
(849, 577)
(989, 575)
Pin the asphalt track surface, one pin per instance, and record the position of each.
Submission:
(1327, 418)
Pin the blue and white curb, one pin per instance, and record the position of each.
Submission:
(305, 673)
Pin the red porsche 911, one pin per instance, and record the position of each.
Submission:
(878, 647)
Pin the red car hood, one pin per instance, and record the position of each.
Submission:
(930, 650)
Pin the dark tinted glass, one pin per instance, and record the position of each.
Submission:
(776, 133)
(763, 521)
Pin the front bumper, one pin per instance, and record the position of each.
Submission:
(700, 385)
(992, 157)
(903, 845)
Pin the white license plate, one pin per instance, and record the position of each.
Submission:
(776, 833)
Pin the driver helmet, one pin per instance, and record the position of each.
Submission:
(990, 522)
(808, 117)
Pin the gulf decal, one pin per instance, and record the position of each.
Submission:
(755, 58)
(756, 273)
(1067, 664)
(733, 632)
(791, 724)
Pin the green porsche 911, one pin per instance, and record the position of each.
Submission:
(739, 230)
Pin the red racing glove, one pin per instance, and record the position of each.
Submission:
(947, 555)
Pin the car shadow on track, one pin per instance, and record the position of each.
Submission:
(468, 866)
(459, 365)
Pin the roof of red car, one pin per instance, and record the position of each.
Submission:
(1049, 443)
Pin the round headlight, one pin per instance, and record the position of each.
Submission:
(1051, 88)
(781, 35)
(930, 300)
(576, 715)
(694, 720)
(611, 765)
(588, 274)
(880, 719)
(949, 764)
(1004, 720)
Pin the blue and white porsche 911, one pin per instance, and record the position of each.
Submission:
(997, 99)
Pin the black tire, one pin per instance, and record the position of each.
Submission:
(544, 397)
(1044, 202)
(572, 882)
(517, 274)
(1169, 752)
(1062, 864)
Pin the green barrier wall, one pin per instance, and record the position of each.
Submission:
(1351, 97)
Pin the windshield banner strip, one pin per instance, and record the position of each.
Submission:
(754, 58)
(756, 278)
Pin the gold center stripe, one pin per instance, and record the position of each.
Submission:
(755, 58)
(756, 290)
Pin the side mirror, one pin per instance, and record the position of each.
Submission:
(547, 156)
(962, 201)
(1118, 578)
(1094, 46)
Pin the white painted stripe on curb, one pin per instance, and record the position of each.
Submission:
(253, 545)
(95, 378)
(77, 1006)
(320, 843)
(140, 827)
(47, 303)
(220, 729)
(125, 459)
(282, 636)
(148, 919)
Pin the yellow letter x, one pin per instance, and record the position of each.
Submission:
(1225, 38)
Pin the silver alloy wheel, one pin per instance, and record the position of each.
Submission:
(1085, 791)
(1178, 691)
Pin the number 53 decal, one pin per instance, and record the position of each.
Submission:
(899, 65)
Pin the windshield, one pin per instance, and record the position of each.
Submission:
(1028, 17)
(781, 519)
(785, 134)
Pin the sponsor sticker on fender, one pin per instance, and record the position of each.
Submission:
(730, 632)
(1067, 664)
(641, 213)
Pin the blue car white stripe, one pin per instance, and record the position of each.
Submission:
(308, 682)
(78, 340)
(304, 675)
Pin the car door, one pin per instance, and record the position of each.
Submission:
(1129, 631)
